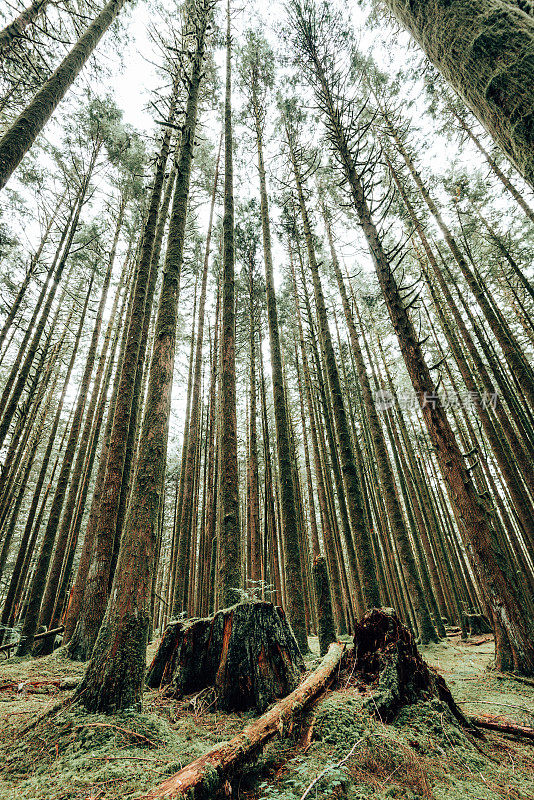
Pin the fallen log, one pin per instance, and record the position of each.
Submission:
(38, 636)
(35, 686)
(204, 776)
(247, 653)
(503, 727)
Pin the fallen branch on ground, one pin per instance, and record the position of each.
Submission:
(116, 727)
(511, 676)
(33, 686)
(482, 641)
(43, 635)
(329, 768)
(503, 727)
(48, 712)
(206, 774)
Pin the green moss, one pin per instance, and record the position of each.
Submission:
(75, 751)
(341, 721)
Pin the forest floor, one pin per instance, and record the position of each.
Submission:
(71, 755)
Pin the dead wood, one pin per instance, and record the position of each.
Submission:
(247, 653)
(37, 637)
(204, 776)
(503, 727)
(385, 658)
(36, 686)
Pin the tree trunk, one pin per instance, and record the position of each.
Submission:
(484, 50)
(385, 471)
(99, 575)
(192, 433)
(10, 402)
(518, 197)
(327, 628)
(18, 139)
(13, 31)
(511, 351)
(75, 474)
(114, 677)
(254, 532)
(353, 490)
(230, 568)
(293, 572)
(84, 563)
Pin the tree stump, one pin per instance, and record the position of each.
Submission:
(477, 624)
(247, 653)
(385, 658)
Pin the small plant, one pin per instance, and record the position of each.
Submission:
(255, 591)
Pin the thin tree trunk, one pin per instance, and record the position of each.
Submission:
(293, 574)
(254, 532)
(230, 568)
(24, 371)
(512, 353)
(364, 553)
(191, 434)
(518, 197)
(29, 273)
(12, 32)
(37, 589)
(425, 626)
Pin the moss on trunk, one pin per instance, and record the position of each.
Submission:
(485, 50)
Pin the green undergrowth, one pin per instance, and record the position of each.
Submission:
(424, 753)
(75, 755)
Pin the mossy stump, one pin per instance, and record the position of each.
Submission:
(247, 653)
(385, 658)
(477, 624)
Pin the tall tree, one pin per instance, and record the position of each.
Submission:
(257, 78)
(18, 139)
(115, 675)
(230, 562)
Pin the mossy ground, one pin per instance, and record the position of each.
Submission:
(72, 755)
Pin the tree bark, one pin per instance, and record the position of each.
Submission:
(247, 653)
(18, 139)
(485, 51)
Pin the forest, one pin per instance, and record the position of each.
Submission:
(266, 399)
